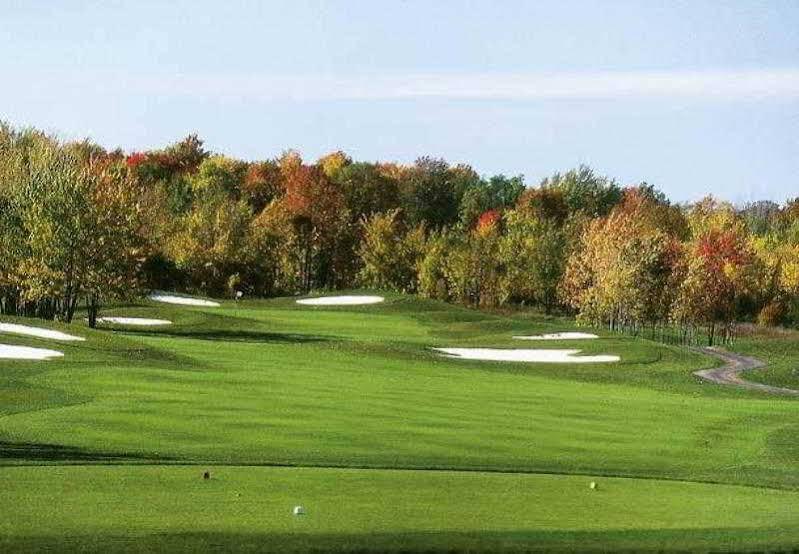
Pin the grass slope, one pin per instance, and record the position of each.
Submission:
(335, 391)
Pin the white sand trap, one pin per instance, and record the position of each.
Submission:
(183, 300)
(36, 332)
(133, 321)
(10, 352)
(559, 336)
(524, 355)
(341, 300)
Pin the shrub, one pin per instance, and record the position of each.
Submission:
(772, 314)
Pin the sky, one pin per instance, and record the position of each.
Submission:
(694, 97)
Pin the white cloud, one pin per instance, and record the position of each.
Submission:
(714, 84)
(696, 85)
(735, 85)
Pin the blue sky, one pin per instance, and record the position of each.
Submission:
(694, 97)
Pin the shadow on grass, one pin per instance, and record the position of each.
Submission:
(35, 452)
(449, 542)
(233, 335)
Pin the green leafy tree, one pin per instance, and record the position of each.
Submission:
(480, 196)
(585, 192)
(115, 249)
(534, 251)
(474, 269)
(431, 192)
(432, 266)
(219, 175)
(367, 190)
(390, 253)
(80, 229)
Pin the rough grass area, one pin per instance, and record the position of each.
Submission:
(95, 445)
(781, 351)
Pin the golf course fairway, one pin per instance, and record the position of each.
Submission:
(349, 412)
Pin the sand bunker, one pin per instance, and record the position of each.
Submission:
(183, 300)
(559, 336)
(10, 352)
(340, 300)
(524, 355)
(133, 321)
(36, 332)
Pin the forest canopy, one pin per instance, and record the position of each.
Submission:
(79, 223)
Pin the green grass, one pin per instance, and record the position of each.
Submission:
(349, 396)
(782, 353)
(250, 508)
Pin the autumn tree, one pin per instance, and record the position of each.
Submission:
(621, 273)
(262, 184)
(211, 244)
(332, 163)
(722, 271)
(777, 249)
(474, 270)
(390, 252)
(116, 248)
(275, 250)
(79, 223)
(544, 204)
(321, 226)
(11, 248)
(780, 290)
(79, 227)
(497, 193)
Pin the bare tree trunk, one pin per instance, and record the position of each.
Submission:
(92, 307)
(71, 305)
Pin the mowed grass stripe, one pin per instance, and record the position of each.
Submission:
(270, 404)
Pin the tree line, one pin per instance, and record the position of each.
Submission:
(79, 223)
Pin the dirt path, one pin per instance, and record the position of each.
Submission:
(730, 372)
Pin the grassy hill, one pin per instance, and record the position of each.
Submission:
(348, 412)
